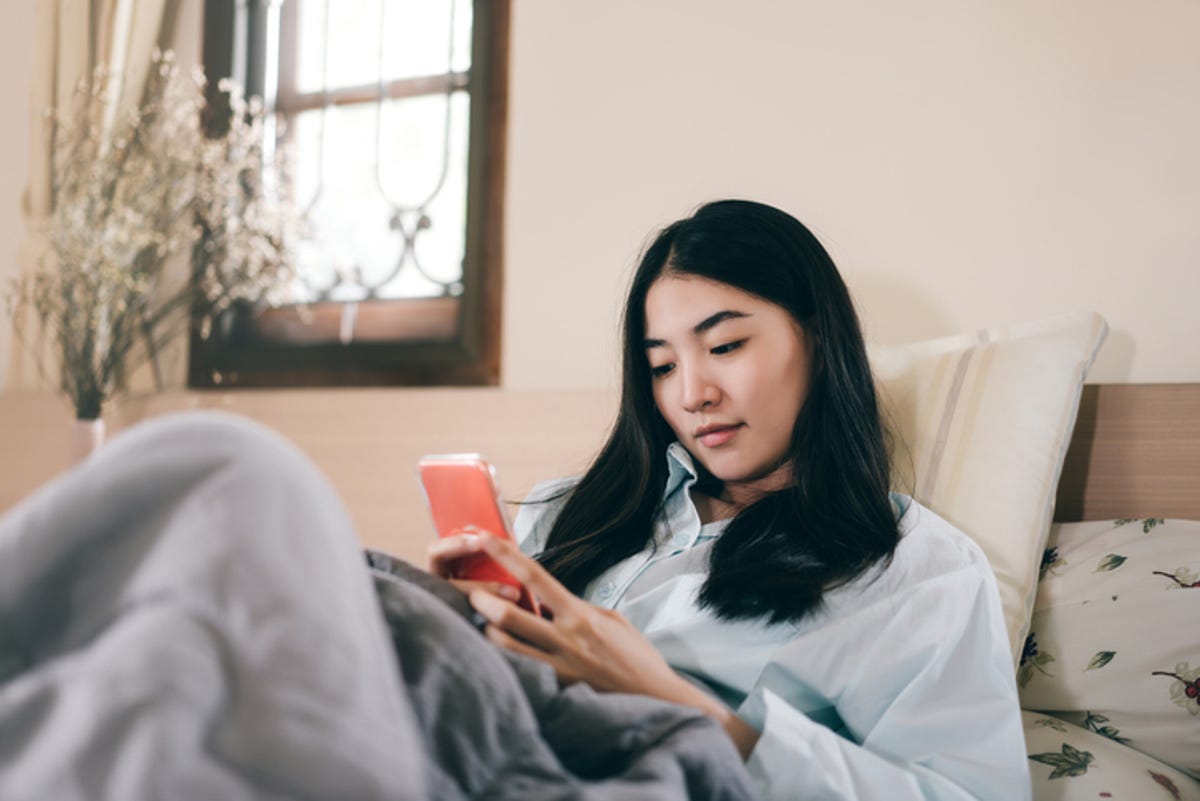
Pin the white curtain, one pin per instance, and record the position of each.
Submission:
(73, 38)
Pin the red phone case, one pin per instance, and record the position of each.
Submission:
(460, 489)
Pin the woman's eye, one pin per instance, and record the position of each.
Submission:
(661, 370)
(728, 347)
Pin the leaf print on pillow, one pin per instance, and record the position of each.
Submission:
(1099, 724)
(1032, 660)
(1050, 561)
(1101, 659)
(1071, 762)
(1147, 523)
(1053, 723)
(1110, 562)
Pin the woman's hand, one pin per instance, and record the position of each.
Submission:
(584, 642)
(444, 551)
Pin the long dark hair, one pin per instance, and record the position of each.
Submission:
(779, 555)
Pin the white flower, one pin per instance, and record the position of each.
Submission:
(133, 193)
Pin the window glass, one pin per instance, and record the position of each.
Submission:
(416, 40)
(382, 183)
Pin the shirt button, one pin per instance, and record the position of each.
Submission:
(606, 590)
(679, 540)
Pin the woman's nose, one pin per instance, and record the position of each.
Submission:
(698, 389)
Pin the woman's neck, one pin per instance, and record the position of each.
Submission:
(735, 496)
(712, 508)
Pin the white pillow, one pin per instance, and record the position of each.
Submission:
(1115, 639)
(986, 419)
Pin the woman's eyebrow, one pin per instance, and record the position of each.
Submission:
(704, 325)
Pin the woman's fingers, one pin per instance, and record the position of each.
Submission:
(527, 571)
(505, 640)
(444, 551)
(516, 622)
(505, 591)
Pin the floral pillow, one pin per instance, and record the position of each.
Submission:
(1068, 763)
(1114, 645)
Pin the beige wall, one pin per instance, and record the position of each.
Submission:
(967, 163)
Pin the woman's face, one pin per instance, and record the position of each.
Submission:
(730, 373)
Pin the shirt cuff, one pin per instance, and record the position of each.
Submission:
(783, 753)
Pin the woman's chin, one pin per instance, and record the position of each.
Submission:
(756, 478)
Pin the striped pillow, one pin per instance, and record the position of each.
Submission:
(983, 422)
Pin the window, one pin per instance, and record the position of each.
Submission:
(393, 112)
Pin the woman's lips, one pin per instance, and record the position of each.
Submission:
(716, 437)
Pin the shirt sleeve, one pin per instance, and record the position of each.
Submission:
(924, 688)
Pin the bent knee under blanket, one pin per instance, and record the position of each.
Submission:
(188, 615)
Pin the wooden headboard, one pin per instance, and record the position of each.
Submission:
(1135, 452)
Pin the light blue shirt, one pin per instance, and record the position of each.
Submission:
(900, 687)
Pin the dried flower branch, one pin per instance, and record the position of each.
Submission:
(132, 193)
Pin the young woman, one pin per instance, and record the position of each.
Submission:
(735, 546)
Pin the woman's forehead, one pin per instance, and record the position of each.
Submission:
(681, 300)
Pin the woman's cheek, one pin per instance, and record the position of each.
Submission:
(662, 401)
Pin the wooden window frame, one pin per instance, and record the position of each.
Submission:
(450, 341)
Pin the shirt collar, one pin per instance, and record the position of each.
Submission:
(682, 474)
(681, 470)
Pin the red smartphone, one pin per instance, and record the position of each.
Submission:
(462, 495)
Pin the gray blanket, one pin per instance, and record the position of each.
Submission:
(187, 615)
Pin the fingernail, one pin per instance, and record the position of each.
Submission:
(511, 593)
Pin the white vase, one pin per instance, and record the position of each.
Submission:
(86, 437)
